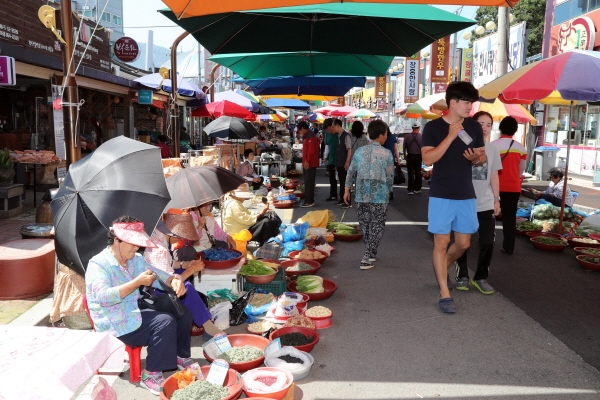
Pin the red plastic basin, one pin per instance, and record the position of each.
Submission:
(305, 331)
(233, 382)
(241, 340)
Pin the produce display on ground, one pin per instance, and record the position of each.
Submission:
(318, 311)
(299, 267)
(295, 339)
(309, 284)
(343, 229)
(260, 299)
(300, 321)
(218, 254)
(550, 241)
(309, 255)
(256, 268)
(585, 240)
(291, 359)
(201, 390)
(241, 354)
(529, 226)
(591, 251)
(260, 326)
(593, 260)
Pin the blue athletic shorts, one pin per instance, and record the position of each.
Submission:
(447, 215)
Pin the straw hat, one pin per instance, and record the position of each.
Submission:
(132, 233)
(179, 224)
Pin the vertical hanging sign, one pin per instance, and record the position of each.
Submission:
(411, 78)
(59, 128)
(439, 60)
(466, 65)
(380, 87)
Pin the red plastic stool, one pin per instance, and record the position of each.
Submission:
(134, 352)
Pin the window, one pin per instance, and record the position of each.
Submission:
(89, 14)
(116, 20)
(106, 17)
(570, 9)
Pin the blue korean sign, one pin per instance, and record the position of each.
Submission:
(144, 96)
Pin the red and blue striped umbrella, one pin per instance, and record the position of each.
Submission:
(574, 75)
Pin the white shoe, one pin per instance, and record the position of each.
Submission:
(417, 191)
(372, 259)
(411, 193)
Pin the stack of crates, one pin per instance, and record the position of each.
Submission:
(277, 286)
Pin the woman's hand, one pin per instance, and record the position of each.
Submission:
(196, 266)
(231, 242)
(178, 287)
(146, 278)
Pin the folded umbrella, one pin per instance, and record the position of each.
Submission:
(122, 177)
(191, 187)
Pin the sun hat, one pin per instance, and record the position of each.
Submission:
(132, 233)
(241, 194)
(179, 224)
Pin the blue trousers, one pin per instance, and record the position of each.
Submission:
(165, 337)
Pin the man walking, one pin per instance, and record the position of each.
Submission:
(412, 154)
(310, 162)
(391, 143)
(343, 155)
(453, 144)
(329, 157)
(373, 167)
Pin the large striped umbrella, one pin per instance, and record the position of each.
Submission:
(342, 111)
(362, 113)
(574, 75)
(498, 109)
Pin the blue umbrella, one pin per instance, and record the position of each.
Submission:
(287, 103)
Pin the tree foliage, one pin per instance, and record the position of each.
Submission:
(530, 11)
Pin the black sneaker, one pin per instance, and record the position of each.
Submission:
(331, 199)
(339, 203)
(305, 205)
(345, 206)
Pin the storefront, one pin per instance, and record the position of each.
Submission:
(107, 110)
(574, 27)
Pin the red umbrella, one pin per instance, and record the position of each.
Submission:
(326, 110)
(342, 111)
(220, 108)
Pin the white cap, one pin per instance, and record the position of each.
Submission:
(416, 125)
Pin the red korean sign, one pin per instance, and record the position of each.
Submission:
(440, 59)
(126, 49)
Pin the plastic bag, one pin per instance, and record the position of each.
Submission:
(242, 236)
(292, 246)
(254, 311)
(237, 315)
(295, 232)
(220, 315)
(274, 170)
(273, 359)
(103, 391)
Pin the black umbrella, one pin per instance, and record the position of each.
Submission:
(194, 186)
(230, 128)
(122, 177)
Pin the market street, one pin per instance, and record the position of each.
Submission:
(536, 338)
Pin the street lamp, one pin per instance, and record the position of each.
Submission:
(490, 26)
(392, 95)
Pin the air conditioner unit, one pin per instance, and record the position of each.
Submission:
(115, 69)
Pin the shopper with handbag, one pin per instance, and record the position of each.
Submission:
(112, 280)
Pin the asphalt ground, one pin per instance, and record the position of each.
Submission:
(535, 338)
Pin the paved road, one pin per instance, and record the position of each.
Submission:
(537, 338)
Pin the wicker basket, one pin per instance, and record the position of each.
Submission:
(77, 321)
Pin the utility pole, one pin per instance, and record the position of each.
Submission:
(70, 95)
(503, 28)
(174, 106)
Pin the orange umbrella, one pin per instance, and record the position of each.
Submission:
(194, 8)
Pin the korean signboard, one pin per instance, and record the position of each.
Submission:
(411, 79)
(440, 57)
(20, 26)
(380, 87)
(126, 49)
(578, 33)
(485, 55)
(466, 65)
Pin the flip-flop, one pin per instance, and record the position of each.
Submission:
(447, 305)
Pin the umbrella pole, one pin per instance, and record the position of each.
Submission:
(564, 193)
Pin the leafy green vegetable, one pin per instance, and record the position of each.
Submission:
(255, 267)
(550, 241)
(528, 226)
(593, 260)
(309, 284)
(591, 251)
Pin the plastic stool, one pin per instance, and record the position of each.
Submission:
(134, 352)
